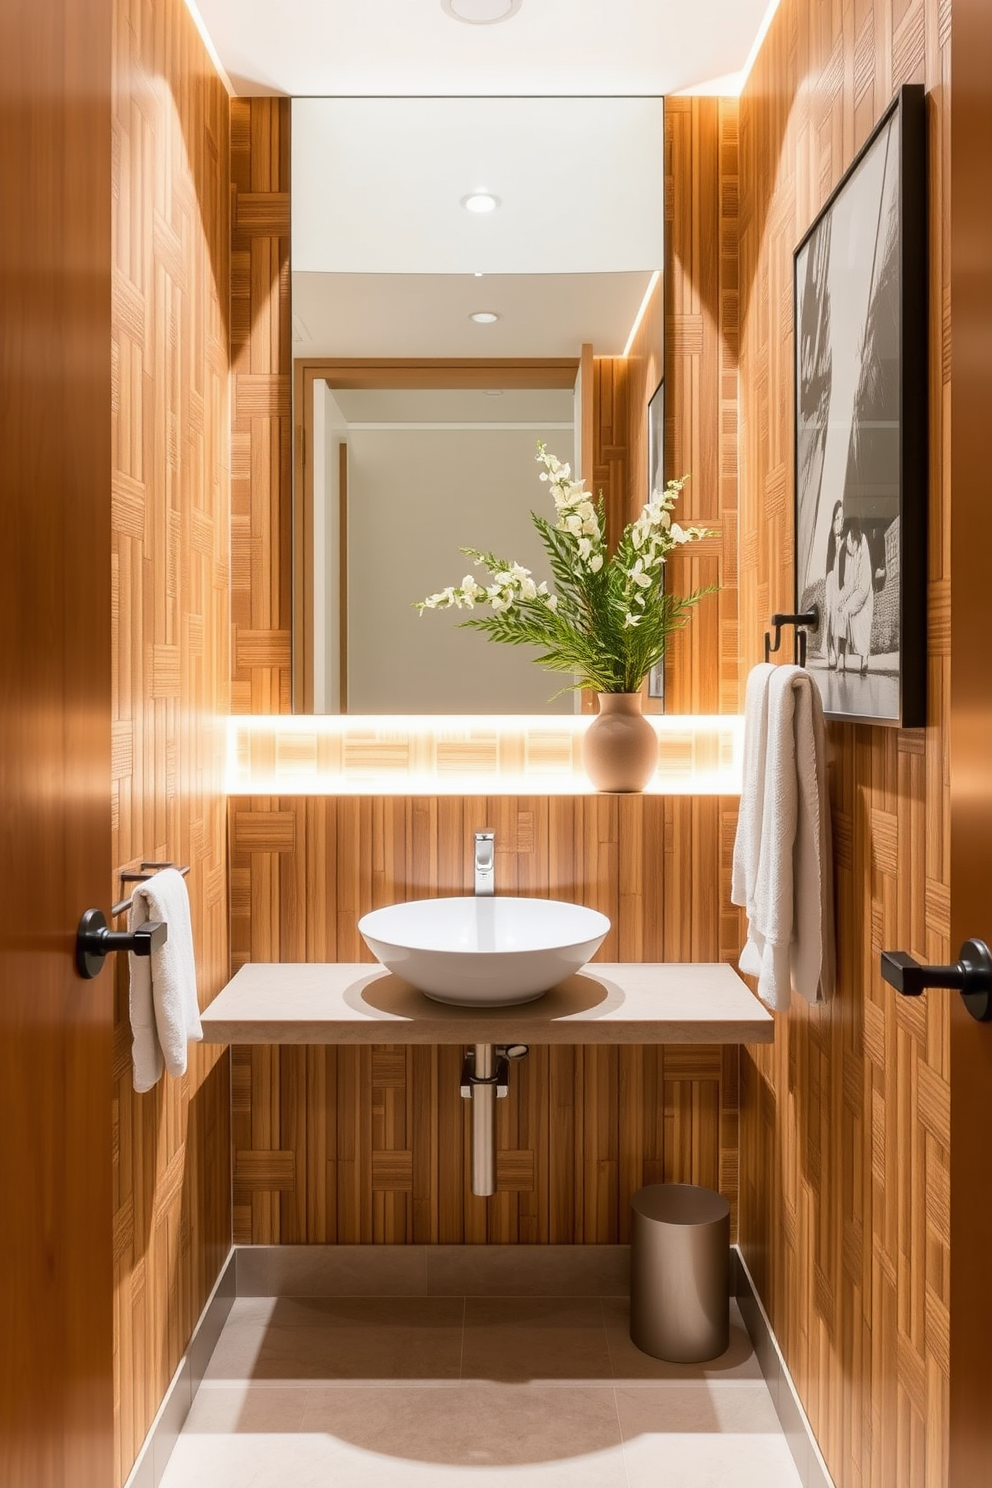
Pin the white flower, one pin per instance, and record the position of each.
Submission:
(551, 600)
(595, 563)
(585, 548)
(632, 620)
(571, 523)
(528, 589)
(638, 576)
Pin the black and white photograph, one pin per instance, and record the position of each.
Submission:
(861, 429)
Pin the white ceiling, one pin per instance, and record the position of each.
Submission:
(408, 250)
(378, 185)
(427, 315)
(412, 48)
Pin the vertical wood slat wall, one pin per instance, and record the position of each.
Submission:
(690, 333)
(171, 664)
(261, 422)
(845, 1120)
(357, 1145)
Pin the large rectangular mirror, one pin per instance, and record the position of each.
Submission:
(417, 426)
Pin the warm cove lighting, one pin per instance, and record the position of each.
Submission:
(640, 314)
(480, 12)
(470, 754)
(480, 202)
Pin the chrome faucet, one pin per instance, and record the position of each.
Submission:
(485, 862)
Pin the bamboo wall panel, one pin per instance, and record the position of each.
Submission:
(171, 663)
(261, 423)
(845, 1120)
(689, 332)
(372, 1145)
(701, 354)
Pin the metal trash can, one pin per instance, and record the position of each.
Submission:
(680, 1272)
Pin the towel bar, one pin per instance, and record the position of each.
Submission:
(94, 941)
(123, 904)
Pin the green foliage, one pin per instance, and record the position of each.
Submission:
(608, 619)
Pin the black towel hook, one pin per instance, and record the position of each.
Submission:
(810, 617)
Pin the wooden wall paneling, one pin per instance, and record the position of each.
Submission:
(384, 1134)
(171, 663)
(611, 435)
(261, 423)
(701, 356)
(691, 332)
(845, 1138)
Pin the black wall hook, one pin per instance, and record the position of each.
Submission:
(94, 941)
(810, 618)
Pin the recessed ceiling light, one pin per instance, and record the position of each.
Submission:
(492, 392)
(481, 12)
(480, 201)
(484, 317)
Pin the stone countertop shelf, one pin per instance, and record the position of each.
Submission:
(606, 1003)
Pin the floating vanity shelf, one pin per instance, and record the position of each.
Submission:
(607, 1003)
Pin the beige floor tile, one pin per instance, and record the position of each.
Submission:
(483, 1392)
(516, 1339)
(528, 1270)
(356, 1339)
(261, 1461)
(534, 1433)
(236, 1409)
(712, 1407)
(630, 1365)
(701, 1460)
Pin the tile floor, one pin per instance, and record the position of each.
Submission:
(533, 1391)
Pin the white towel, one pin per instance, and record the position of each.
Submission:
(165, 1013)
(747, 843)
(782, 870)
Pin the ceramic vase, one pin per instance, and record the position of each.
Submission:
(620, 747)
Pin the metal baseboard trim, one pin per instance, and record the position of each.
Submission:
(793, 1419)
(156, 1449)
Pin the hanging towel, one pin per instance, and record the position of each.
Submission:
(747, 843)
(165, 1013)
(782, 870)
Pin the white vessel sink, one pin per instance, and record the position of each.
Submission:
(484, 952)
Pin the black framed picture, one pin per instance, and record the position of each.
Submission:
(656, 482)
(860, 301)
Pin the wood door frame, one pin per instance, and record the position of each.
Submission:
(373, 373)
(970, 1423)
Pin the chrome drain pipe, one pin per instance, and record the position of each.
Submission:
(486, 1079)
